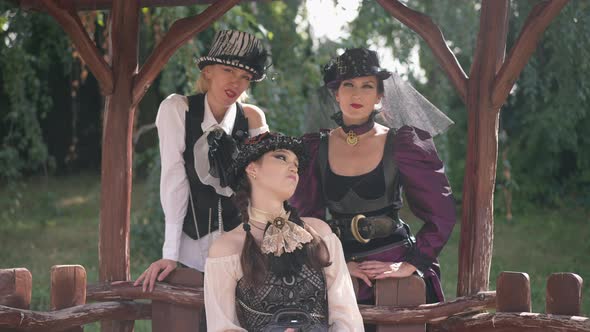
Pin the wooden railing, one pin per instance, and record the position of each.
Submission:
(177, 304)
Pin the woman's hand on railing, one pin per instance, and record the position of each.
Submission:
(382, 270)
(157, 271)
(355, 271)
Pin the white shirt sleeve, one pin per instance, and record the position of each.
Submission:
(221, 277)
(342, 307)
(257, 131)
(174, 186)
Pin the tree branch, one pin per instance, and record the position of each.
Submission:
(179, 33)
(59, 320)
(431, 33)
(70, 22)
(536, 23)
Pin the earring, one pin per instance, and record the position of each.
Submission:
(379, 105)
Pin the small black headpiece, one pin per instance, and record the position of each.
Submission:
(354, 62)
(255, 147)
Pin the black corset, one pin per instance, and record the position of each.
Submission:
(306, 291)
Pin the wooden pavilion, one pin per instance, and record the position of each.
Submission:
(484, 88)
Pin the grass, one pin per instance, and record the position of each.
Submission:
(54, 221)
(538, 244)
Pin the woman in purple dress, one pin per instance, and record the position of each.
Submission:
(360, 168)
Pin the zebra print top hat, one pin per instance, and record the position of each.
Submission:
(237, 49)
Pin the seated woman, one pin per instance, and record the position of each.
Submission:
(278, 272)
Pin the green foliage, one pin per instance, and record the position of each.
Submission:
(548, 114)
(25, 59)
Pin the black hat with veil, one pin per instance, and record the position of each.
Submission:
(402, 104)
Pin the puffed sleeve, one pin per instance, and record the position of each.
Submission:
(308, 198)
(427, 191)
(342, 307)
(221, 278)
(174, 185)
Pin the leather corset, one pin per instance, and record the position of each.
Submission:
(387, 202)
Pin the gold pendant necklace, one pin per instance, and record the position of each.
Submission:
(352, 138)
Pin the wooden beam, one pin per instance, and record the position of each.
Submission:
(521, 322)
(475, 246)
(124, 290)
(193, 297)
(536, 23)
(431, 33)
(70, 22)
(38, 321)
(428, 313)
(117, 151)
(179, 33)
(83, 5)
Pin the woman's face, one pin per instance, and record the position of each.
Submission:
(226, 83)
(275, 172)
(357, 98)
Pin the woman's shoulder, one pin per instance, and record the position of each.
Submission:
(318, 225)
(171, 111)
(228, 244)
(312, 140)
(175, 100)
(409, 134)
(254, 114)
(414, 144)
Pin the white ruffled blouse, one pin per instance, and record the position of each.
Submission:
(174, 186)
(223, 273)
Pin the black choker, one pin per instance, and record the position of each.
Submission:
(353, 132)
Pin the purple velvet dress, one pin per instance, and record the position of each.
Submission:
(420, 172)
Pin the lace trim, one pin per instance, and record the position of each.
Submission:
(243, 305)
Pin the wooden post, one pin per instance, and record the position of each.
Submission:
(477, 227)
(15, 288)
(400, 292)
(564, 294)
(68, 288)
(116, 166)
(513, 292)
(168, 317)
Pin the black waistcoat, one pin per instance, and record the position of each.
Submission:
(205, 199)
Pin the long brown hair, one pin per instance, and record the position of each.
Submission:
(256, 265)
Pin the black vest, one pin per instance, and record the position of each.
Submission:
(205, 199)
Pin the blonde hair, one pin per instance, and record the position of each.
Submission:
(202, 86)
